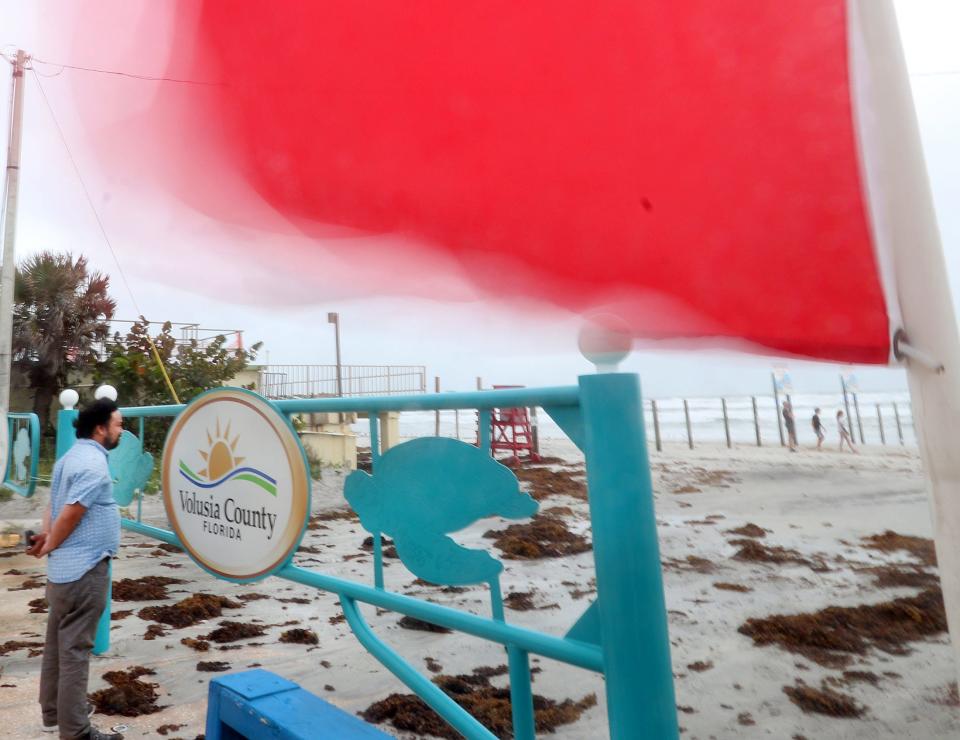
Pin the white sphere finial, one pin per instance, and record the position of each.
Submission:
(105, 391)
(605, 340)
(69, 399)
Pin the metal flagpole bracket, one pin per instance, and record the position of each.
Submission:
(903, 350)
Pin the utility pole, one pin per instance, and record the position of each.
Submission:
(334, 318)
(8, 268)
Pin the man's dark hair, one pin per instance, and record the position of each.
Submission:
(96, 414)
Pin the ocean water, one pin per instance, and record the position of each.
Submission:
(706, 420)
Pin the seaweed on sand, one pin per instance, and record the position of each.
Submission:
(300, 636)
(232, 631)
(823, 700)
(189, 611)
(832, 635)
(127, 695)
(148, 588)
(489, 704)
(543, 536)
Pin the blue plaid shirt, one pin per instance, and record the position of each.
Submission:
(82, 476)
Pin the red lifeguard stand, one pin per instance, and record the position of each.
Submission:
(511, 431)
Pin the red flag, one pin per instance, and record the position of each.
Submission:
(693, 166)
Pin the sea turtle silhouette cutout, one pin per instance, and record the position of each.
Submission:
(21, 454)
(423, 490)
(130, 468)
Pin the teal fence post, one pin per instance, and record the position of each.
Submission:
(630, 600)
(66, 433)
(101, 643)
(66, 436)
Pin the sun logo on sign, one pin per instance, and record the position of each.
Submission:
(220, 457)
(223, 464)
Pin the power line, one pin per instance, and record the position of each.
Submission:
(184, 81)
(103, 231)
(86, 192)
(120, 73)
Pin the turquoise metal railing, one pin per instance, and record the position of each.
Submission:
(623, 634)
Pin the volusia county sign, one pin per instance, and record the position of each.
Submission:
(235, 484)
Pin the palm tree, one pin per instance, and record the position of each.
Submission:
(60, 319)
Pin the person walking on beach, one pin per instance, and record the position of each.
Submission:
(81, 532)
(818, 428)
(844, 434)
(790, 424)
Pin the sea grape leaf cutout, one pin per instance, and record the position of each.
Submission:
(130, 468)
(423, 490)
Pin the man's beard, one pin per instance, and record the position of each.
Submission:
(112, 444)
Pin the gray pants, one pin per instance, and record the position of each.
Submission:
(74, 610)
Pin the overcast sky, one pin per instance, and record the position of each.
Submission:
(455, 340)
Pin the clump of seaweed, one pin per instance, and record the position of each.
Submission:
(756, 552)
(300, 637)
(830, 636)
(489, 704)
(189, 611)
(213, 666)
(740, 588)
(488, 671)
(749, 530)
(869, 677)
(543, 536)
(201, 646)
(949, 696)
(893, 576)
(545, 482)
(920, 547)
(389, 549)
(154, 631)
(232, 631)
(127, 695)
(690, 563)
(520, 601)
(11, 645)
(165, 729)
(148, 588)
(823, 700)
(412, 623)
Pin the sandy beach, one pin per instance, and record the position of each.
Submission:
(816, 541)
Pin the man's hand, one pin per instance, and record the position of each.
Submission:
(37, 543)
(66, 522)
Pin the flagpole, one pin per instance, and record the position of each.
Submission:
(906, 231)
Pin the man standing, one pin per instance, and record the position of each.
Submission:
(818, 428)
(81, 532)
(790, 424)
